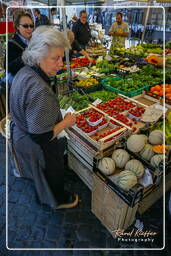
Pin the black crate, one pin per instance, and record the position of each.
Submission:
(131, 197)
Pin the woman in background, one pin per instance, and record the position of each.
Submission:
(24, 26)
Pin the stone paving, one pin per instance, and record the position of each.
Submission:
(31, 225)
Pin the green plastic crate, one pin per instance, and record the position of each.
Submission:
(129, 94)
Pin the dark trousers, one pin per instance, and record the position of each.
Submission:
(53, 151)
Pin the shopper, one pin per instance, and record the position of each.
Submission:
(75, 47)
(119, 31)
(41, 19)
(24, 26)
(37, 120)
(54, 17)
(82, 30)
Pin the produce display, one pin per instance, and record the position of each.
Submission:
(156, 137)
(84, 73)
(147, 152)
(97, 50)
(64, 76)
(131, 69)
(116, 106)
(159, 126)
(136, 167)
(120, 157)
(135, 143)
(129, 76)
(106, 165)
(132, 83)
(106, 67)
(80, 62)
(157, 91)
(126, 180)
(79, 101)
(161, 149)
(155, 59)
(156, 159)
(141, 50)
(87, 82)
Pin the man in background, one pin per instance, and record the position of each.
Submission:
(82, 30)
(119, 31)
(41, 19)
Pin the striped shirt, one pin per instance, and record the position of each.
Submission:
(33, 105)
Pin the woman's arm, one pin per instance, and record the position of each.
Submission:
(83, 52)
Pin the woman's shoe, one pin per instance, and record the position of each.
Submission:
(72, 202)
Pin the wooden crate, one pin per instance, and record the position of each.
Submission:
(147, 100)
(155, 195)
(100, 145)
(109, 208)
(81, 170)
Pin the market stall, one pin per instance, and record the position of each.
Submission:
(117, 146)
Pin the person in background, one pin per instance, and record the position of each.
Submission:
(82, 30)
(54, 17)
(37, 121)
(119, 31)
(24, 26)
(75, 47)
(41, 19)
(73, 20)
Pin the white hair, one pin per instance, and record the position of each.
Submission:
(42, 39)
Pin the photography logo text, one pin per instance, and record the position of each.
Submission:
(135, 235)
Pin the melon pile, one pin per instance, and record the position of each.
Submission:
(132, 169)
(127, 178)
(143, 145)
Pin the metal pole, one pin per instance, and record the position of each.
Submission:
(146, 20)
(65, 31)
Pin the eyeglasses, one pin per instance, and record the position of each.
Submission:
(27, 25)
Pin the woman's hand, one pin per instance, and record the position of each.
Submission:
(70, 119)
(90, 59)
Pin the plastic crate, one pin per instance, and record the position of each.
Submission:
(129, 94)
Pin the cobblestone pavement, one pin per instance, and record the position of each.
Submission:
(31, 225)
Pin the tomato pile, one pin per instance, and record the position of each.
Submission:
(81, 62)
(137, 112)
(82, 121)
(115, 106)
(108, 133)
(95, 117)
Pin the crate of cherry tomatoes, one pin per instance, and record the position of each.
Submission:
(124, 110)
(97, 129)
(81, 62)
(158, 91)
(104, 124)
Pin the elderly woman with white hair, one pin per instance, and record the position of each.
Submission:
(37, 119)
